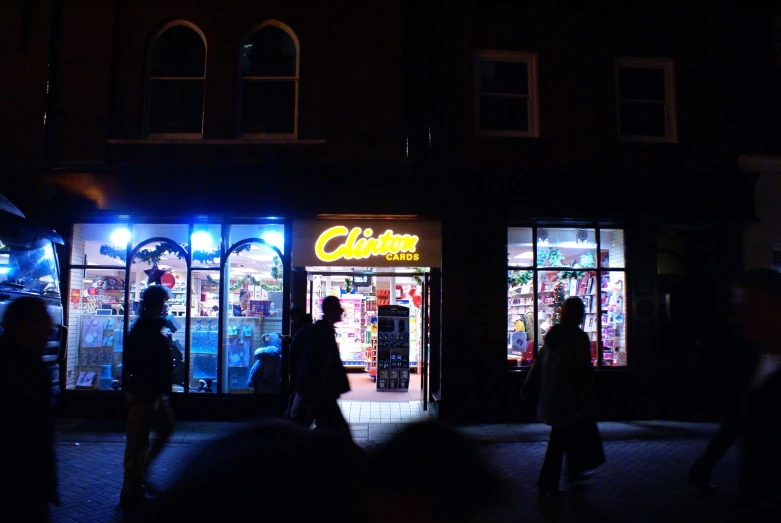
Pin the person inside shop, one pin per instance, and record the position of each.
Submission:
(147, 383)
(28, 459)
(322, 377)
(562, 372)
(242, 308)
(215, 311)
(755, 419)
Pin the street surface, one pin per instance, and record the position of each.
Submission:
(643, 479)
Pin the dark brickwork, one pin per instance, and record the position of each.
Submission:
(386, 126)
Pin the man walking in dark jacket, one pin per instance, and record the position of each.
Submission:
(28, 460)
(322, 378)
(146, 383)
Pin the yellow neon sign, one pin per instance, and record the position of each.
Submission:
(359, 245)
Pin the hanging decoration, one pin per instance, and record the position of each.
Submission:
(153, 256)
(417, 278)
(249, 280)
(206, 257)
(558, 300)
(588, 260)
(552, 256)
(244, 281)
(570, 274)
(155, 275)
(516, 278)
(276, 268)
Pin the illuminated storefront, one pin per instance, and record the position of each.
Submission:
(226, 311)
(547, 265)
(376, 267)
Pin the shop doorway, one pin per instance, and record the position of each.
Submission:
(384, 338)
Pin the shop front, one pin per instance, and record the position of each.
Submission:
(458, 297)
(224, 319)
(385, 274)
(547, 265)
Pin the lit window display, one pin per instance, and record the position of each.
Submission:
(548, 265)
(252, 359)
(105, 291)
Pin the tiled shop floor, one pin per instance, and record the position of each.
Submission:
(383, 412)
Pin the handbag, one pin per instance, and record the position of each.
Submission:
(586, 451)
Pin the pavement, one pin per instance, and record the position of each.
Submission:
(644, 478)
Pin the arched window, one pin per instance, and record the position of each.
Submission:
(269, 63)
(175, 81)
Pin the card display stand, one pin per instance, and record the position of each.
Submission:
(393, 338)
(100, 351)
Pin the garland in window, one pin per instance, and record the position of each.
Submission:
(519, 278)
(552, 255)
(247, 280)
(153, 256)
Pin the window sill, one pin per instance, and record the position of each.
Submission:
(648, 139)
(505, 134)
(231, 141)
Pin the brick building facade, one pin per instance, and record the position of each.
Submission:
(479, 116)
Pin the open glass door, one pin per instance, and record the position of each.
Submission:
(425, 344)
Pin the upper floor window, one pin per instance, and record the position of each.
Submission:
(645, 100)
(506, 94)
(269, 64)
(175, 82)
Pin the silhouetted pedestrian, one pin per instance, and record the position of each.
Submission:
(755, 420)
(27, 458)
(300, 334)
(147, 384)
(322, 375)
(563, 374)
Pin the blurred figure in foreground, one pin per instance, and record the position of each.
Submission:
(27, 461)
(755, 420)
(298, 474)
(458, 485)
(305, 476)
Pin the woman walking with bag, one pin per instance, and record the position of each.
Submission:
(562, 372)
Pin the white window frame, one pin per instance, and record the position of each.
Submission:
(150, 79)
(666, 65)
(242, 79)
(532, 99)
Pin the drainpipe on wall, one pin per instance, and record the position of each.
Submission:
(52, 68)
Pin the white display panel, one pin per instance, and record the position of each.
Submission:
(350, 331)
